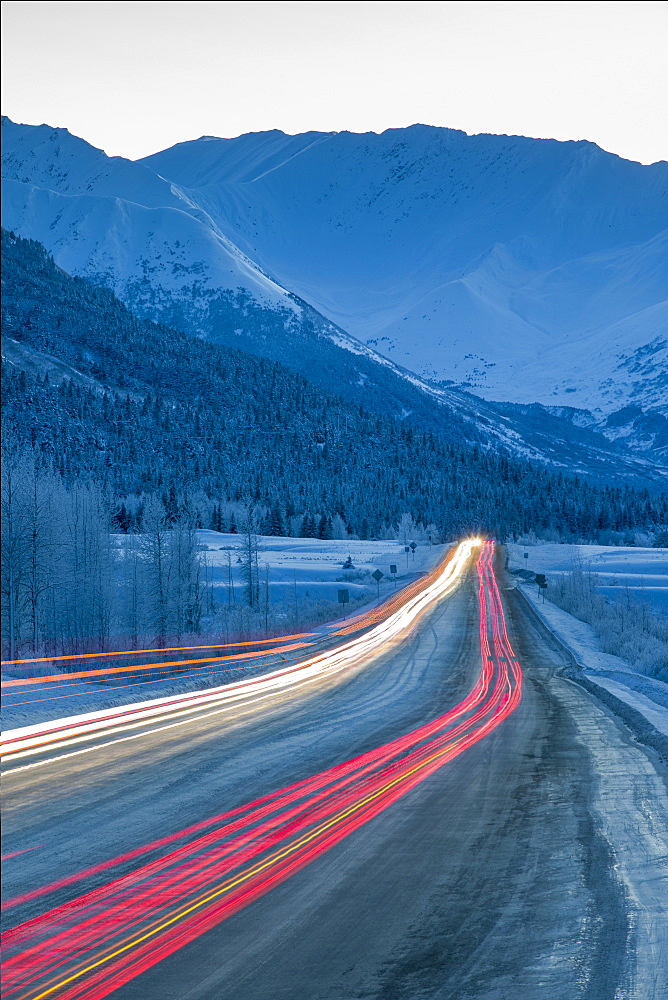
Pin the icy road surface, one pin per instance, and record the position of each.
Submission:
(531, 865)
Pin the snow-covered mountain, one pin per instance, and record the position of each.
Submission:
(119, 223)
(526, 269)
(58, 329)
(522, 269)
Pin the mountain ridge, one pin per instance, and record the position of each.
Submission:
(476, 284)
(182, 261)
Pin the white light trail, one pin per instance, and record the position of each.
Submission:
(68, 732)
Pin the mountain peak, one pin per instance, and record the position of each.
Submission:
(522, 269)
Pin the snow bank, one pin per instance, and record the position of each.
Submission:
(640, 701)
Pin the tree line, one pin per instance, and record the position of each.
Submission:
(74, 582)
(67, 584)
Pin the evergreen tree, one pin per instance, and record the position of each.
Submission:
(308, 528)
(171, 505)
(275, 524)
(324, 527)
(121, 520)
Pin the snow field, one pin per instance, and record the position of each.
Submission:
(313, 567)
(641, 571)
(647, 695)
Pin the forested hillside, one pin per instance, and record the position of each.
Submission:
(118, 427)
(137, 408)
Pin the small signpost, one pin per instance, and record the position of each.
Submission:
(407, 549)
(393, 571)
(526, 555)
(344, 597)
(413, 546)
(542, 583)
(378, 576)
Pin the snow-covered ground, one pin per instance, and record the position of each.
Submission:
(641, 572)
(314, 567)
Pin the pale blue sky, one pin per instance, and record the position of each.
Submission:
(135, 77)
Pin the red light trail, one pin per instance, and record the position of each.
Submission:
(90, 946)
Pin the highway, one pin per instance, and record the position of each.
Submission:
(43, 744)
(426, 810)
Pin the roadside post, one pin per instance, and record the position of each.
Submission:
(344, 597)
(393, 571)
(413, 546)
(378, 576)
(407, 549)
(542, 584)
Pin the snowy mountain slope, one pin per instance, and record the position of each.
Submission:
(36, 294)
(54, 159)
(527, 270)
(500, 262)
(120, 224)
(153, 256)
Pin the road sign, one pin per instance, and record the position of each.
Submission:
(413, 546)
(344, 597)
(393, 568)
(378, 576)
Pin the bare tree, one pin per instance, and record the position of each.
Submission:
(14, 546)
(41, 546)
(249, 552)
(154, 542)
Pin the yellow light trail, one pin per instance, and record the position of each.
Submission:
(86, 948)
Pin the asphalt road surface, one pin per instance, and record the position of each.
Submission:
(532, 865)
